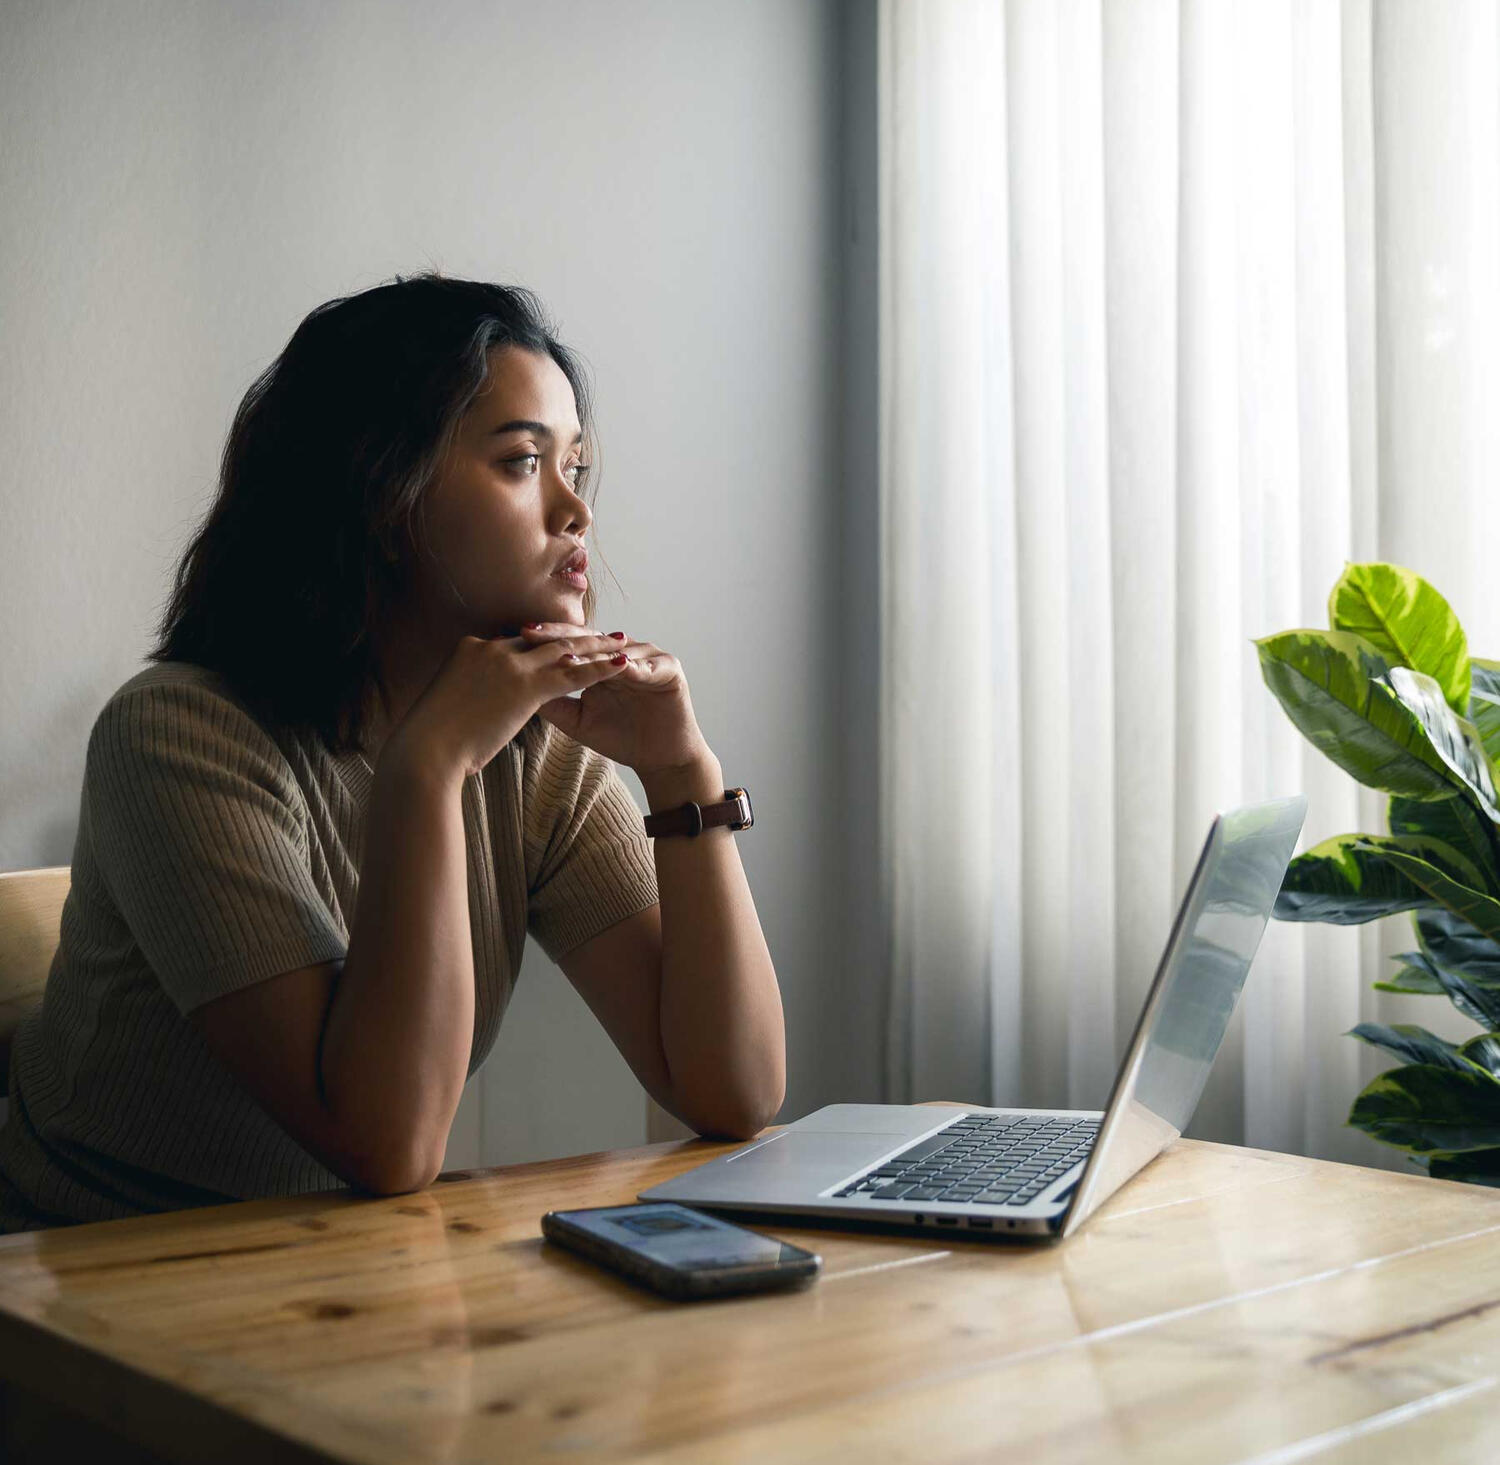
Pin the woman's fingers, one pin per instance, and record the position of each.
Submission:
(579, 670)
(578, 641)
(644, 662)
(581, 641)
(537, 634)
(647, 663)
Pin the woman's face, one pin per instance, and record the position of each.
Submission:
(505, 513)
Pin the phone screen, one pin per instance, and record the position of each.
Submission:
(665, 1235)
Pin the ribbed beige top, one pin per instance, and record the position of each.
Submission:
(212, 853)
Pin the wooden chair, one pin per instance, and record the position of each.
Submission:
(31, 903)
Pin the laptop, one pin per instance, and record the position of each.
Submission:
(1031, 1173)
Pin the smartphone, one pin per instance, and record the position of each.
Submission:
(679, 1252)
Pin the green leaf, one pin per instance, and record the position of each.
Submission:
(1412, 1044)
(1453, 738)
(1484, 704)
(1477, 1167)
(1481, 911)
(1455, 945)
(1414, 979)
(1346, 882)
(1456, 823)
(1484, 1052)
(1407, 621)
(1422, 1107)
(1442, 856)
(1478, 1000)
(1332, 685)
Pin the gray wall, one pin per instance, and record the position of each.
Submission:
(182, 182)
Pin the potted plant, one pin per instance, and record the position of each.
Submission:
(1391, 694)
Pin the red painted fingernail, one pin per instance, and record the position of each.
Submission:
(620, 660)
(531, 626)
(618, 635)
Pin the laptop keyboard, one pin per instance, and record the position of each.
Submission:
(983, 1159)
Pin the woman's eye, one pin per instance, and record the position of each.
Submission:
(576, 472)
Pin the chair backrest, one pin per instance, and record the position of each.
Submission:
(31, 903)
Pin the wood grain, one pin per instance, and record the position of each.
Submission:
(1228, 1305)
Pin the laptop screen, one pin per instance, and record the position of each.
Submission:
(1187, 1011)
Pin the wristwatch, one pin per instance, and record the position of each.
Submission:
(692, 819)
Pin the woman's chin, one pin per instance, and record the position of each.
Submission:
(568, 608)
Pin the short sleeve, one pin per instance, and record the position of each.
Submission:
(200, 834)
(588, 860)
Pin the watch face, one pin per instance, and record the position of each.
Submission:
(747, 814)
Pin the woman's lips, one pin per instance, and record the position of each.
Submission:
(576, 578)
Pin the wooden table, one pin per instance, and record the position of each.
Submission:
(1227, 1305)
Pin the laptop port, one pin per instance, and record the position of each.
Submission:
(980, 1223)
(946, 1220)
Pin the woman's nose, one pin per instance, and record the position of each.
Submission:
(572, 503)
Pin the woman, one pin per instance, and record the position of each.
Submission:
(315, 831)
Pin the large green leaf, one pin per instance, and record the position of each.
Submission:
(1346, 882)
(1484, 1052)
(1332, 685)
(1455, 945)
(1412, 1044)
(1442, 856)
(1422, 1107)
(1407, 621)
(1477, 1000)
(1477, 1167)
(1457, 823)
(1481, 911)
(1453, 738)
(1484, 704)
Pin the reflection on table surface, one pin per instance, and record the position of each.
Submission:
(1229, 1301)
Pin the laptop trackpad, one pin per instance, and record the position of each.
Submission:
(816, 1150)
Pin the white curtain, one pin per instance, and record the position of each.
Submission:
(1182, 305)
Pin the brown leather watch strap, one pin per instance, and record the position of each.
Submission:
(692, 819)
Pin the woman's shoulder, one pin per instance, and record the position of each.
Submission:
(172, 674)
(177, 702)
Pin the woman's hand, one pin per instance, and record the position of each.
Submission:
(486, 691)
(642, 717)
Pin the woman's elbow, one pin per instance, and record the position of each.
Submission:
(739, 1126)
(392, 1172)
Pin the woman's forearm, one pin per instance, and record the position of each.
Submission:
(722, 1028)
(399, 1032)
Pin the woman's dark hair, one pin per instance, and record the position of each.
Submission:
(285, 587)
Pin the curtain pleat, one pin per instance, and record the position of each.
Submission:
(1182, 305)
